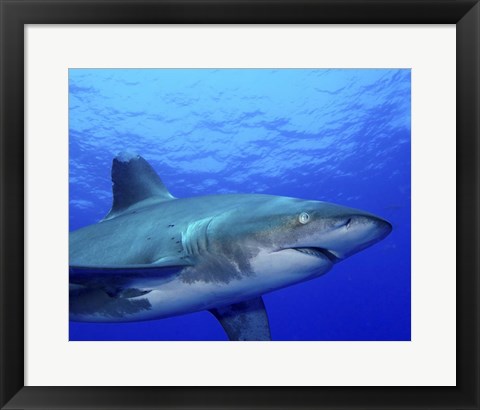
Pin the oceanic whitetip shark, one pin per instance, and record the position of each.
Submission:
(155, 256)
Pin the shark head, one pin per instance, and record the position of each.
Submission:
(288, 240)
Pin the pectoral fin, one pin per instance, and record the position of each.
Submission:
(245, 320)
(125, 281)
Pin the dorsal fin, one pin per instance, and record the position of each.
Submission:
(133, 181)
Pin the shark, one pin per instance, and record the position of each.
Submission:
(155, 256)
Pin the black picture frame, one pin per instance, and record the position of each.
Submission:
(15, 14)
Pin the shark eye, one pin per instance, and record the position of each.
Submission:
(303, 218)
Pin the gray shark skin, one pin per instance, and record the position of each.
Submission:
(156, 256)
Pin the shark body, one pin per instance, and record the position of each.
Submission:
(156, 256)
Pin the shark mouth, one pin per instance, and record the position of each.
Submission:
(318, 252)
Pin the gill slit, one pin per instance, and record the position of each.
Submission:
(195, 238)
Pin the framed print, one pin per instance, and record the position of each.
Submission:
(239, 205)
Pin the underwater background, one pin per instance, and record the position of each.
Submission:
(336, 135)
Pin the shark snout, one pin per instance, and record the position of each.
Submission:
(357, 233)
(383, 227)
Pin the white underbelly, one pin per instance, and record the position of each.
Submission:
(177, 297)
(181, 296)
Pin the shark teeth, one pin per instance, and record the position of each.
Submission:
(317, 252)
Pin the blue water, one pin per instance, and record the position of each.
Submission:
(339, 135)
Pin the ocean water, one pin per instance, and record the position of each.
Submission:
(336, 135)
